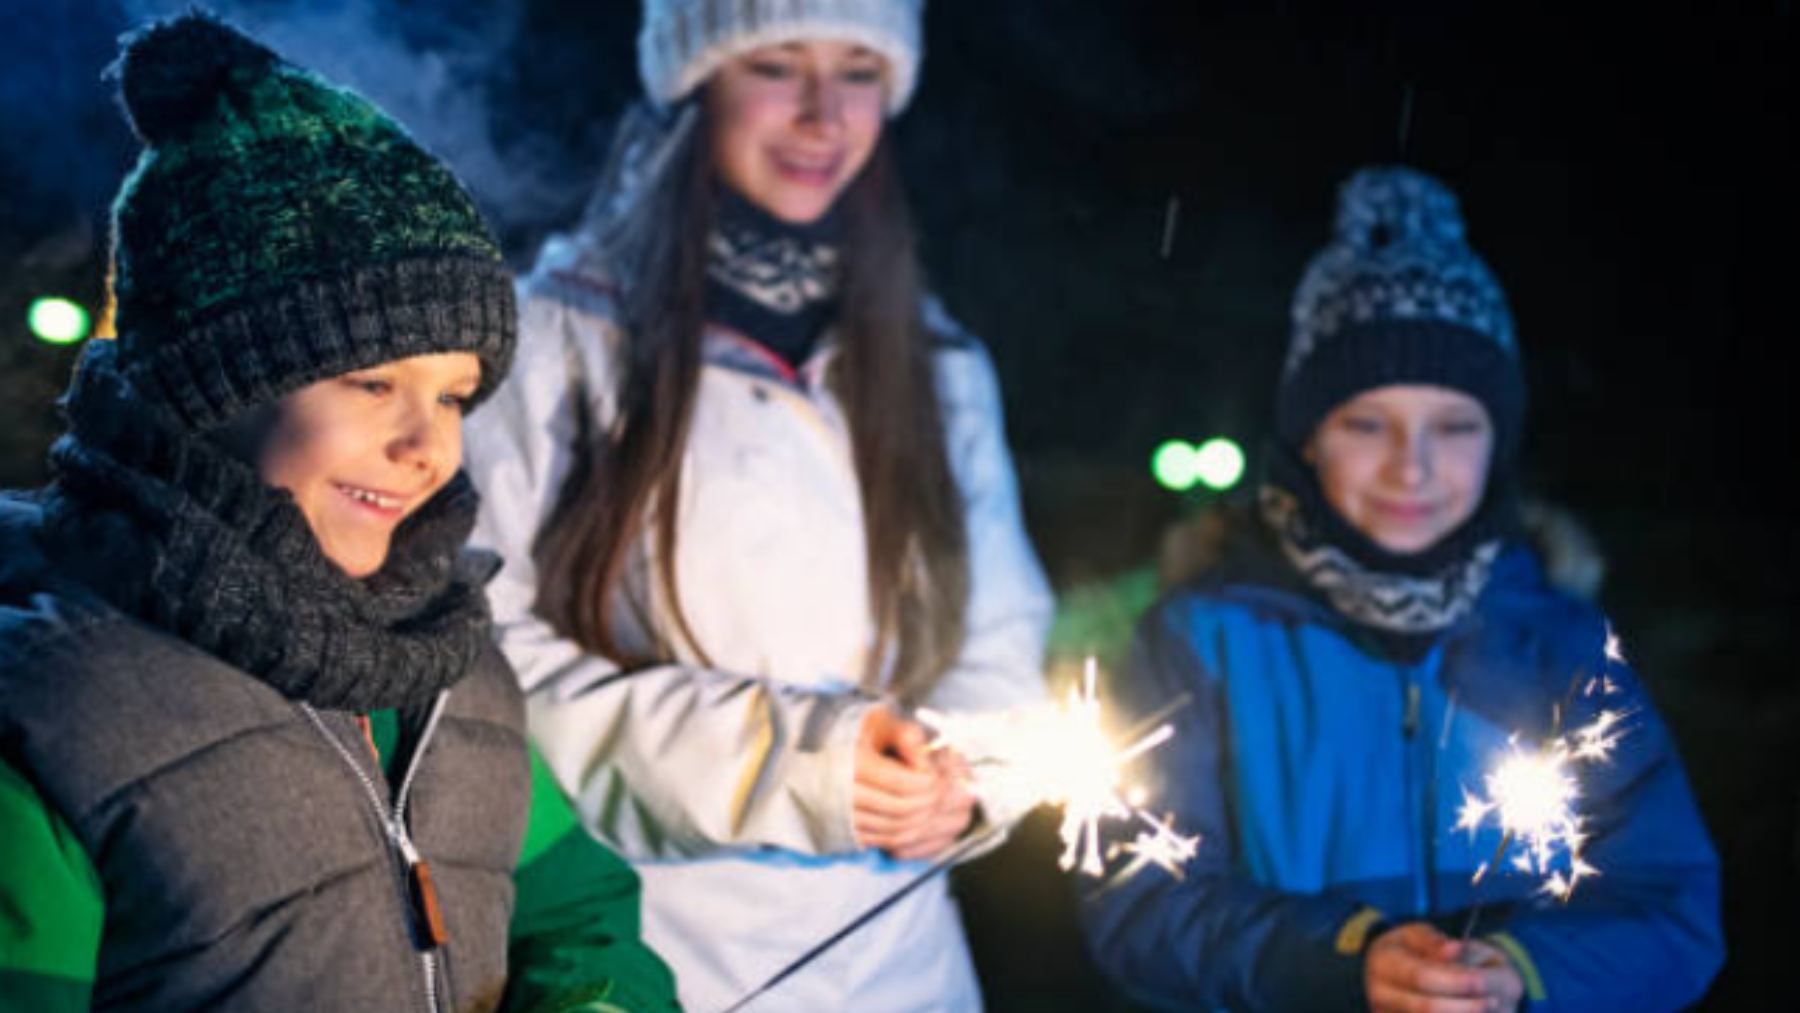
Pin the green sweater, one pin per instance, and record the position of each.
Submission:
(574, 935)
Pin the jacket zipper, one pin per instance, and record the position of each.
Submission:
(418, 895)
(1421, 843)
(1429, 756)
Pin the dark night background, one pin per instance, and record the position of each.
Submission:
(1628, 175)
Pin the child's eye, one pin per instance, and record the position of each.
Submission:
(375, 385)
(1461, 427)
(861, 75)
(1361, 425)
(460, 402)
(771, 70)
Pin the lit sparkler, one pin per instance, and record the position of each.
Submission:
(1052, 755)
(1531, 794)
(1062, 756)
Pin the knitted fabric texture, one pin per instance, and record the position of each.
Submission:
(170, 529)
(1388, 601)
(683, 41)
(1398, 297)
(1400, 601)
(770, 280)
(278, 230)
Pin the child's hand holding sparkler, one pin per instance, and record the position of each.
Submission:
(1414, 968)
(914, 794)
(1063, 755)
(910, 800)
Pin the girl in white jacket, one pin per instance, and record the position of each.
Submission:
(755, 501)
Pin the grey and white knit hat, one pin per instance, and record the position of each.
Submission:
(1398, 296)
(683, 41)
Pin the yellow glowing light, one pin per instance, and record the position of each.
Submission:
(1061, 755)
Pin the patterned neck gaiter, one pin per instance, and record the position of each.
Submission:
(772, 281)
(1404, 598)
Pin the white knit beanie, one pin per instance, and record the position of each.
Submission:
(684, 41)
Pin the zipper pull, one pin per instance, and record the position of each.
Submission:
(1410, 724)
(427, 917)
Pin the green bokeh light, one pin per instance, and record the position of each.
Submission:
(1175, 465)
(57, 321)
(1219, 463)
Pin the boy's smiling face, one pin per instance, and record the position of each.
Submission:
(361, 451)
(1404, 464)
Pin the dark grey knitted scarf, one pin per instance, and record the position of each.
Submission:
(171, 529)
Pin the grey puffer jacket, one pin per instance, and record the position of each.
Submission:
(253, 853)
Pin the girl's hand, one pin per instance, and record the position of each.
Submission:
(952, 815)
(1417, 969)
(907, 801)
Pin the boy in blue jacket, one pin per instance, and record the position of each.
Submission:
(1360, 653)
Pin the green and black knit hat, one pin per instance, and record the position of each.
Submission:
(279, 229)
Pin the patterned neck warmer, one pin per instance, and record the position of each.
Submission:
(173, 530)
(1406, 600)
(771, 281)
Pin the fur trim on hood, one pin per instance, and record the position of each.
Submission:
(1571, 558)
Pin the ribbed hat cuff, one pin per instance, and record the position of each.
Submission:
(680, 50)
(255, 353)
(1385, 352)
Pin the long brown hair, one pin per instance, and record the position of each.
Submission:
(628, 477)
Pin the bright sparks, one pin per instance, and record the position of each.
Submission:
(1615, 648)
(1062, 756)
(1615, 655)
(1531, 794)
(1595, 741)
(1160, 846)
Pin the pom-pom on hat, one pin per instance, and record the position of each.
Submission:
(279, 229)
(1398, 297)
(683, 42)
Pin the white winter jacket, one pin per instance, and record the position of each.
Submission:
(729, 787)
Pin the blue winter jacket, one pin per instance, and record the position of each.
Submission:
(1326, 779)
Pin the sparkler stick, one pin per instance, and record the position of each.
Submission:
(1031, 757)
(968, 847)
